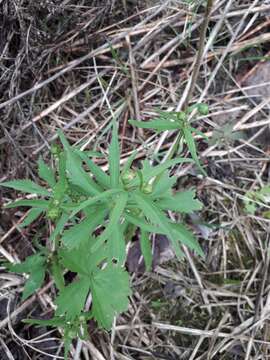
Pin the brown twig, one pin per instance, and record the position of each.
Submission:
(199, 56)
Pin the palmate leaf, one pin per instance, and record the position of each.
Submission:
(183, 202)
(26, 186)
(75, 260)
(81, 232)
(109, 288)
(82, 260)
(70, 301)
(34, 265)
(110, 291)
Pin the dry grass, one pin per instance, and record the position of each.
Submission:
(58, 71)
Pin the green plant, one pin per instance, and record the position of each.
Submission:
(225, 136)
(93, 215)
(178, 121)
(254, 199)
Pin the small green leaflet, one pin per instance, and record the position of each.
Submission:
(46, 173)
(183, 235)
(26, 186)
(256, 198)
(115, 215)
(170, 121)
(146, 249)
(226, 134)
(129, 161)
(169, 114)
(200, 133)
(59, 190)
(117, 245)
(163, 185)
(41, 204)
(70, 330)
(67, 343)
(192, 147)
(102, 178)
(114, 158)
(156, 216)
(265, 190)
(92, 153)
(75, 171)
(158, 124)
(143, 224)
(59, 226)
(62, 162)
(34, 265)
(118, 60)
(32, 216)
(57, 273)
(80, 178)
(149, 172)
(179, 232)
(56, 321)
(110, 291)
(88, 153)
(70, 302)
(181, 202)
